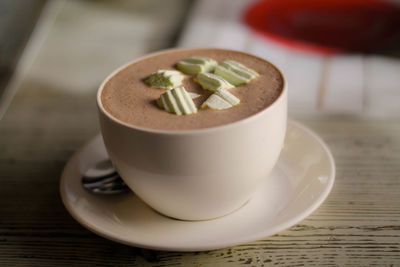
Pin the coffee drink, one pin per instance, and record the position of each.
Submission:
(128, 98)
(183, 166)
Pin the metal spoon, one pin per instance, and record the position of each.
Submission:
(102, 178)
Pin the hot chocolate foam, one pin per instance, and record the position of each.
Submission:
(126, 97)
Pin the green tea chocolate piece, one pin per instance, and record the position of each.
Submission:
(178, 101)
(165, 79)
(221, 99)
(235, 73)
(212, 82)
(194, 65)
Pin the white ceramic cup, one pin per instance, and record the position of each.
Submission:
(196, 174)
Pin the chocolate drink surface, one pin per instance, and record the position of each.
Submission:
(128, 98)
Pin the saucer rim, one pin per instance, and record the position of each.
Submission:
(105, 233)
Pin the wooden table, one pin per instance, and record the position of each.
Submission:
(54, 113)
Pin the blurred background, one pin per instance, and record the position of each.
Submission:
(338, 56)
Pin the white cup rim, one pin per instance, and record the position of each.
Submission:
(191, 131)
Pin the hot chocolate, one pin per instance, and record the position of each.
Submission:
(128, 98)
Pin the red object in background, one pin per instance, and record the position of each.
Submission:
(327, 26)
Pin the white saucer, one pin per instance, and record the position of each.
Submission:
(299, 183)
